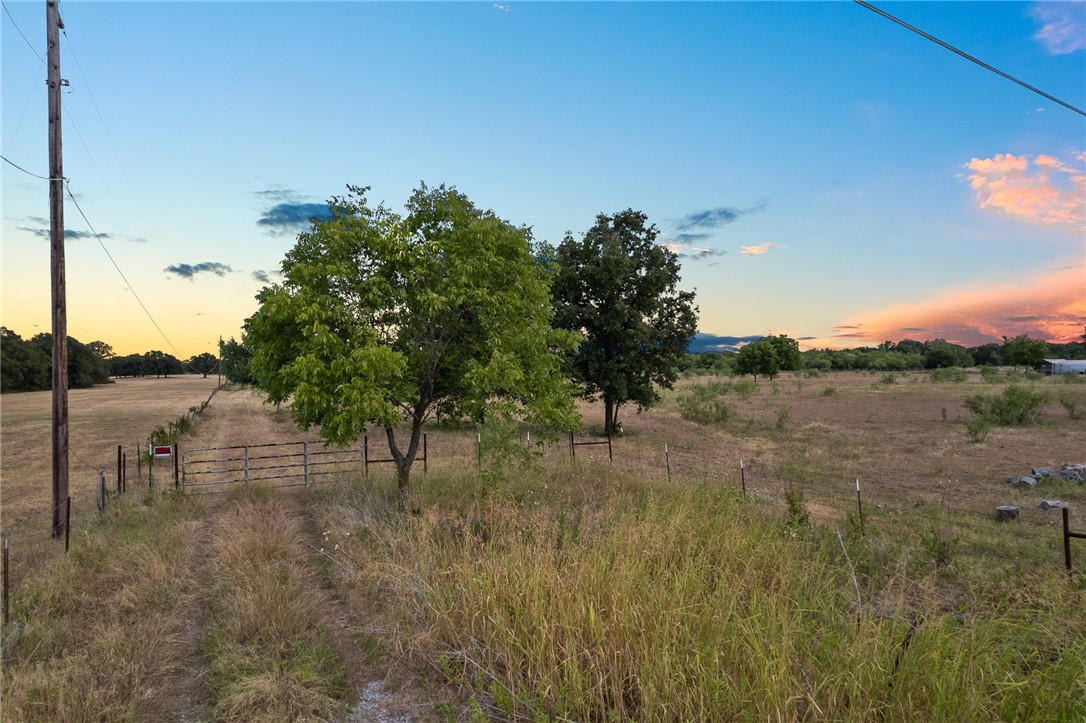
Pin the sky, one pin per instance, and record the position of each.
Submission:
(821, 171)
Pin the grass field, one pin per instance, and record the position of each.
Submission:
(564, 591)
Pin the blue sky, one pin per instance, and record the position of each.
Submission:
(823, 172)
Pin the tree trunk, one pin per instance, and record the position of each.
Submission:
(608, 414)
(404, 460)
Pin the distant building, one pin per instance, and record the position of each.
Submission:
(1063, 366)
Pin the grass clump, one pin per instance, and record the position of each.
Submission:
(977, 429)
(1071, 405)
(1017, 405)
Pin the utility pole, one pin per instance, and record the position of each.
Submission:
(53, 24)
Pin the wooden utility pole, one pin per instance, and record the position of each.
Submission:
(53, 24)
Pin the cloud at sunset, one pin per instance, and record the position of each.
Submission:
(1048, 306)
(758, 250)
(1041, 189)
(1063, 26)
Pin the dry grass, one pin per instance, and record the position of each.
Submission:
(101, 418)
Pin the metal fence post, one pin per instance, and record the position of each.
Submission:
(175, 477)
(365, 455)
(609, 457)
(667, 462)
(119, 486)
(743, 476)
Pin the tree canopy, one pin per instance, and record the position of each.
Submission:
(617, 286)
(383, 318)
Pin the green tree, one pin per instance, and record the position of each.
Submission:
(1023, 351)
(205, 363)
(759, 357)
(24, 367)
(788, 356)
(235, 361)
(617, 286)
(443, 312)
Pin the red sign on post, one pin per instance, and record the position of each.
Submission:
(162, 451)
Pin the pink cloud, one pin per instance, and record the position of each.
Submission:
(1048, 306)
(756, 250)
(1050, 192)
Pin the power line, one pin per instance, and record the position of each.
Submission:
(93, 101)
(28, 44)
(67, 185)
(26, 105)
(35, 175)
(968, 57)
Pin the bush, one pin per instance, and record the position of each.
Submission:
(1072, 378)
(745, 387)
(989, 374)
(797, 510)
(784, 415)
(1016, 406)
(948, 374)
(889, 379)
(829, 391)
(704, 404)
(1070, 405)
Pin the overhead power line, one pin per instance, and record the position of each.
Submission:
(28, 43)
(35, 175)
(969, 57)
(110, 256)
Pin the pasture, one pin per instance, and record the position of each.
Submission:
(567, 590)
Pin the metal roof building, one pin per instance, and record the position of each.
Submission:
(1063, 366)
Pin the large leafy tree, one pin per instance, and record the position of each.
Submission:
(383, 318)
(617, 286)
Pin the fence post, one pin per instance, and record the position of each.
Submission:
(175, 477)
(139, 463)
(860, 507)
(572, 446)
(667, 461)
(743, 476)
(101, 491)
(184, 474)
(124, 472)
(7, 544)
(305, 463)
(119, 486)
(1066, 542)
(479, 450)
(246, 455)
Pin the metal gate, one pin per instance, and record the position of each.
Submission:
(213, 470)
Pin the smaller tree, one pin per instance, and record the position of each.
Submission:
(618, 287)
(1023, 351)
(759, 357)
(205, 363)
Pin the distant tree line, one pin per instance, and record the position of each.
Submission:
(26, 365)
(771, 355)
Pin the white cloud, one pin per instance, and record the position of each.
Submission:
(1063, 26)
(1043, 189)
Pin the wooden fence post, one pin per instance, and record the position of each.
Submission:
(119, 486)
(667, 461)
(101, 491)
(7, 544)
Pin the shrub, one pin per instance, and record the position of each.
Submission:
(977, 429)
(889, 379)
(948, 374)
(1070, 405)
(1072, 378)
(745, 387)
(938, 544)
(1016, 406)
(829, 391)
(704, 404)
(797, 510)
(783, 416)
(989, 374)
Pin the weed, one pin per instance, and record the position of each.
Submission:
(888, 379)
(990, 374)
(704, 404)
(784, 415)
(1072, 378)
(977, 429)
(797, 509)
(829, 391)
(938, 544)
(1071, 406)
